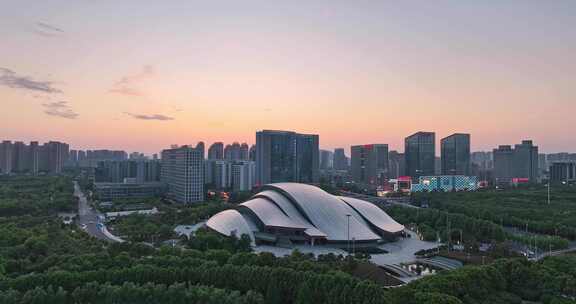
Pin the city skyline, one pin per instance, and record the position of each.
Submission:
(143, 79)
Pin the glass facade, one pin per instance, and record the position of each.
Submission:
(456, 154)
(283, 156)
(420, 151)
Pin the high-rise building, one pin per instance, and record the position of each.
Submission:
(252, 153)
(503, 164)
(6, 152)
(419, 154)
(326, 160)
(396, 167)
(369, 164)
(340, 159)
(183, 173)
(216, 151)
(520, 162)
(243, 175)
(455, 154)
(526, 160)
(283, 156)
(56, 154)
(20, 158)
(34, 157)
(217, 174)
(244, 152)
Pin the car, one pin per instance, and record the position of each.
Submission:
(84, 226)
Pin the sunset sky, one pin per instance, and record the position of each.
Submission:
(142, 75)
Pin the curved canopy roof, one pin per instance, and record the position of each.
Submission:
(326, 212)
(308, 208)
(231, 222)
(374, 215)
(270, 214)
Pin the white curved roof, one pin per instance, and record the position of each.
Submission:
(374, 215)
(326, 212)
(270, 214)
(231, 222)
(291, 211)
(309, 208)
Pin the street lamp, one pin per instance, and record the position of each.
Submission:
(548, 192)
(348, 233)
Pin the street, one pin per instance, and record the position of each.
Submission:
(88, 216)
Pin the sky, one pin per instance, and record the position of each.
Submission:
(140, 75)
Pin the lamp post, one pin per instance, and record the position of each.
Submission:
(348, 233)
(548, 192)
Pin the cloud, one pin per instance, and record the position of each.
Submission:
(59, 109)
(149, 117)
(47, 30)
(9, 78)
(129, 85)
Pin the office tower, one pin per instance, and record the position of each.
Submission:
(455, 154)
(326, 160)
(520, 162)
(252, 153)
(340, 159)
(526, 161)
(216, 151)
(503, 164)
(369, 164)
(419, 153)
(183, 173)
(563, 172)
(483, 160)
(283, 156)
(242, 175)
(6, 157)
(395, 164)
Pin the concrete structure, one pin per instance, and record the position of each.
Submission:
(326, 160)
(563, 172)
(445, 183)
(115, 171)
(455, 154)
(520, 162)
(369, 164)
(419, 154)
(284, 156)
(291, 213)
(242, 175)
(396, 164)
(340, 159)
(183, 173)
(19, 158)
(114, 191)
(233, 175)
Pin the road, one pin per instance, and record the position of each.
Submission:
(88, 216)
